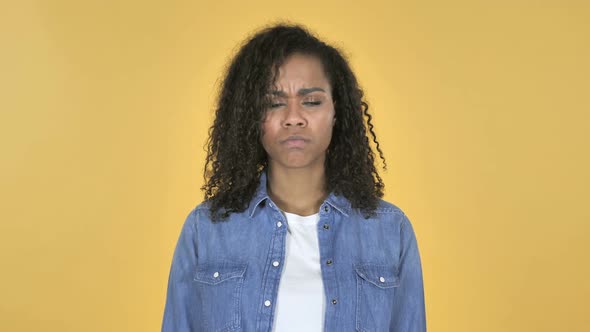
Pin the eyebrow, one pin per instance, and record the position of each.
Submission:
(301, 92)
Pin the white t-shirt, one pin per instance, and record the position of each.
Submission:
(301, 301)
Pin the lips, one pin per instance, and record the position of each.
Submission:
(295, 141)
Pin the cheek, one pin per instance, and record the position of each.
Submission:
(266, 133)
(329, 130)
(328, 122)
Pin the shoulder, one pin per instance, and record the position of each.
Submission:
(202, 213)
(390, 211)
(387, 207)
(199, 211)
(198, 208)
(202, 207)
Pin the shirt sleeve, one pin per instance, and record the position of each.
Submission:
(409, 308)
(179, 312)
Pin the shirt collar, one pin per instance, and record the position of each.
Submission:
(339, 202)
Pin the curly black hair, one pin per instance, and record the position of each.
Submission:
(235, 155)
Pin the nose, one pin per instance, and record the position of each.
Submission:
(294, 116)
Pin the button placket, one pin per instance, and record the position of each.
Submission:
(273, 272)
(327, 221)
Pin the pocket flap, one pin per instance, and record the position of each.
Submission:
(383, 276)
(214, 273)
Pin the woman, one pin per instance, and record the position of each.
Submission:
(293, 234)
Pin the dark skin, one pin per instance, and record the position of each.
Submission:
(303, 106)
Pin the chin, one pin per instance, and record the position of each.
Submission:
(297, 163)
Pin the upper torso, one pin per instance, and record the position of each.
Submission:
(225, 276)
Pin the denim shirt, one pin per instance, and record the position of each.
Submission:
(222, 277)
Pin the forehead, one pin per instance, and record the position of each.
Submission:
(301, 69)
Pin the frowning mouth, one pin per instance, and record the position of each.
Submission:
(295, 141)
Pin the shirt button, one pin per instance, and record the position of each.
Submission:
(279, 224)
(267, 303)
(270, 204)
(329, 261)
(381, 279)
(326, 226)
(334, 301)
(216, 274)
(326, 208)
(275, 263)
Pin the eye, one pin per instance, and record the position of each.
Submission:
(275, 105)
(312, 103)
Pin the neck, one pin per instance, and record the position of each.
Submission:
(297, 190)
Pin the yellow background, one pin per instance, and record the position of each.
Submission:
(481, 109)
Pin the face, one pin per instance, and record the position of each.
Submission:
(302, 106)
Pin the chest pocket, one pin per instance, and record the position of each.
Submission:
(376, 287)
(219, 289)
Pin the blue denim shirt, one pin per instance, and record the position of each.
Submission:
(222, 278)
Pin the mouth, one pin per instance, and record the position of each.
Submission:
(295, 142)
